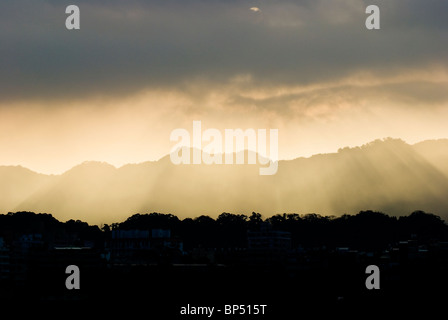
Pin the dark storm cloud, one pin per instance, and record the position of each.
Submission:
(126, 46)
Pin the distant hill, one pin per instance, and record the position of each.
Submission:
(18, 184)
(384, 175)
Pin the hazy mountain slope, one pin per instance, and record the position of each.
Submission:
(388, 175)
(435, 152)
(17, 184)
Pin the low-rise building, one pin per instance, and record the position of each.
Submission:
(268, 239)
(4, 261)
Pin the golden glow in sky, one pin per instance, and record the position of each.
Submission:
(115, 89)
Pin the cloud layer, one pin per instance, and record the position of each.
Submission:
(136, 70)
(124, 47)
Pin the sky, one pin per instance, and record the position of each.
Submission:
(114, 90)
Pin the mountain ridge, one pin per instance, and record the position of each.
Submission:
(387, 175)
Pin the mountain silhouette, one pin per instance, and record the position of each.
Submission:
(385, 175)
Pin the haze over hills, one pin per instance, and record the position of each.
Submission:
(385, 175)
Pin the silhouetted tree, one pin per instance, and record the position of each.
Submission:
(254, 221)
(423, 225)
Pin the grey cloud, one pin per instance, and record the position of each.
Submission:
(126, 46)
(415, 93)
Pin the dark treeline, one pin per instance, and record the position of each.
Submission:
(233, 257)
(13, 225)
(365, 230)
